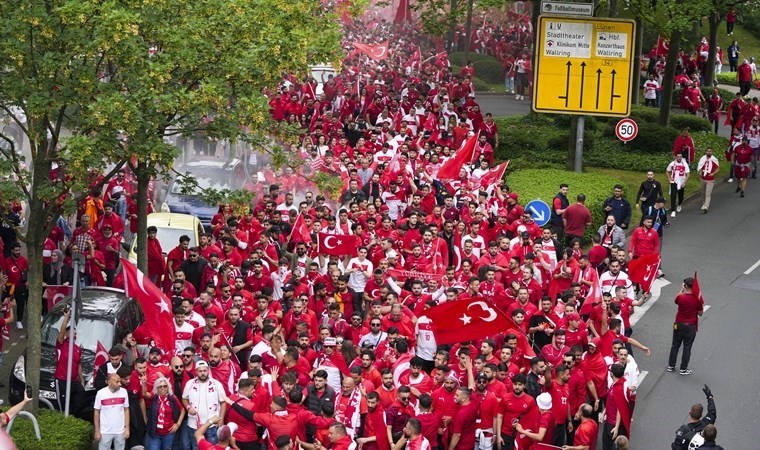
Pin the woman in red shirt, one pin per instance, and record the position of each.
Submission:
(164, 417)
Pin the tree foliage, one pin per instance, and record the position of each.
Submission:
(107, 82)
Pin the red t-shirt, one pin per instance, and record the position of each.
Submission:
(548, 421)
(63, 356)
(586, 434)
(465, 423)
(688, 307)
(512, 407)
(576, 217)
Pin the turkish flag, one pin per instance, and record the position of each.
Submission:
(492, 176)
(335, 244)
(55, 294)
(644, 270)
(156, 307)
(6, 330)
(431, 123)
(416, 59)
(663, 46)
(378, 52)
(594, 294)
(450, 169)
(466, 320)
(697, 293)
(300, 232)
(101, 355)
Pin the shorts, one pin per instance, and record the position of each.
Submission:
(741, 172)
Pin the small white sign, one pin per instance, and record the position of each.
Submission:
(611, 45)
(567, 8)
(567, 39)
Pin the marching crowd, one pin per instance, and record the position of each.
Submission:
(300, 321)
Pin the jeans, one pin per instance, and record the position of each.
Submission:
(106, 440)
(64, 224)
(160, 442)
(682, 334)
(184, 438)
(210, 436)
(509, 84)
(120, 208)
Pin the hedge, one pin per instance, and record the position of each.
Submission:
(726, 94)
(58, 432)
(543, 184)
(540, 140)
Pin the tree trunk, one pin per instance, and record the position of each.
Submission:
(715, 21)
(467, 32)
(667, 80)
(534, 25)
(637, 47)
(143, 178)
(613, 9)
(35, 238)
(452, 26)
(572, 137)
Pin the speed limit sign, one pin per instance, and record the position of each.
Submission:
(626, 130)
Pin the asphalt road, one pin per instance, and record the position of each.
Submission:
(721, 246)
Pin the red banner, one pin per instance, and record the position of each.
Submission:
(644, 270)
(403, 275)
(55, 294)
(466, 320)
(157, 308)
(101, 356)
(378, 52)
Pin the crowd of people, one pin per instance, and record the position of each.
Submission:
(280, 343)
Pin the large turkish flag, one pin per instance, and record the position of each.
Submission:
(466, 320)
(157, 308)
(336, 244)
(644, 270)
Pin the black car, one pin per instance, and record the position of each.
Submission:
(209, 174)
(104, 314)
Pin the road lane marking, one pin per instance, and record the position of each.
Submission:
(656, 292)
(643, 374)
(752, 267)
(706, 307)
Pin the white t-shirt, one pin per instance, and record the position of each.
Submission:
(678, 171)
(357, 280)
(183, 337)
(206, 398)
(650, 89)
(478, 244)
(112, 407)
(426, 346)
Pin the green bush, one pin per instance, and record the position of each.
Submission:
(458, 58)
(727, 77)
(653, 138)
(695, 123)
(544, 183)
(58, 433)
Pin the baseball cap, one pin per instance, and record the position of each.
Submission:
(482, 376)
(544, 401)
(330, 342)
(155, 350)
(392, 254)
(225, 432)
(201, 363)
(524, 234)
(595, 342)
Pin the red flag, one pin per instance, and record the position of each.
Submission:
(300, 232)
(594, 294)
(101, 355)
(378, 52)
(663, 46)
(644, 270)
(431, 123)
(391, 170)
(157, 308)
(492, 176)
(698, 293)
(55, 294)
(416, 59)
(450, 169)
(6, 330)
(336, 244)
(466, 320)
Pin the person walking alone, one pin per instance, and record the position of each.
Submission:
(690, 307)
(707, 168)
(678, 174)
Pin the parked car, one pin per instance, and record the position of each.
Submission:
(214, 174)
(104, 314)
(170, 227)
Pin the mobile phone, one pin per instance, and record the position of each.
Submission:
(66, 309)
(29, 391)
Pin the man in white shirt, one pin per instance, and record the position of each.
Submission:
(183, 331)
(359, 271)
(678, 174)
(111, 415)
(707, 167)
(204, 398)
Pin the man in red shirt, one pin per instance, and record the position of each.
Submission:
(644, 240)
(464, 422)
(690, 307)
(575, 220)
(15, 268)
(517, 405)
(587, 432)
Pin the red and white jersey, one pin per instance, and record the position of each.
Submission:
(609, 282)
(112, 407)
(550, 250)
(708, 167)
(183, 337)
(753, 134)
(418, 443)
(426, 346)
(678, 171)
(478, 244)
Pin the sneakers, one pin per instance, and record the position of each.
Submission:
(19, 326)
(670, 369)
(742, 194)
(737, 189)
(685, 372)
(704, 210)
(517, 97)
(730, 180)
(678, 208)
(673, 214)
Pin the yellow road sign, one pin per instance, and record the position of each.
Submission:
(584, 66)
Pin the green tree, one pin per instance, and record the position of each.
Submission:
(670, 18)
(122, 76)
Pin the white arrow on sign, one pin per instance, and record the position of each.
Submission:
(539, 217)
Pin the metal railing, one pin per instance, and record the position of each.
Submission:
(29, 416)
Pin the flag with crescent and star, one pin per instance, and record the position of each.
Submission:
(644, 270)
(378, 52)
(336, 244)
(54, 294)
(156, 307)
(466, 320)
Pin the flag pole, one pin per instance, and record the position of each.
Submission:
(77, 261)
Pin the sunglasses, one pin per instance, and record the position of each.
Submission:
(163, 386)
(177, 367)
(187, 356)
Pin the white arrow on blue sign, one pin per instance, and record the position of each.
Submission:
(540, 212)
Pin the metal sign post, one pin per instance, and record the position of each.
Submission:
(77, 261)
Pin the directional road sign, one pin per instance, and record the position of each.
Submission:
(540, 211)
(584, 66)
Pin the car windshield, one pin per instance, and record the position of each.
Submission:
(207, 182)
(89, 331)
(169, 237)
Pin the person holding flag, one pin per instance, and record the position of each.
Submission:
(690, 308)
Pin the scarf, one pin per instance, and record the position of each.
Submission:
(348, 413)
(55, 267)
(212, 400)
(165, 419)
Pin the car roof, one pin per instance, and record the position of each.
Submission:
(173, 220)
(211, 164)
(102, 302)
